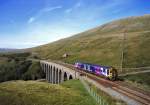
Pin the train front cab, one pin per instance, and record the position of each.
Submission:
(112, 74)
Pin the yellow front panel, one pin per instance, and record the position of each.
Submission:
(110, 73)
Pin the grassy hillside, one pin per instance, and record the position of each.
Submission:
(103, 45)
(41, 93)
(143, 82)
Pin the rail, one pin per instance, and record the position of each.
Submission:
(142, 98)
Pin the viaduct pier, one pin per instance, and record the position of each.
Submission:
(56, 73)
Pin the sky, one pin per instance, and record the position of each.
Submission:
(29, 23)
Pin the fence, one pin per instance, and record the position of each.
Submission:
(93, 93)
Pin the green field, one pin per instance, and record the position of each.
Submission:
(103, 45)
(42, 93)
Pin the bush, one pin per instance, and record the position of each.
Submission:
(17, 67)
(34, 72)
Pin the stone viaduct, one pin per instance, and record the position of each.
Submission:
(56, 73)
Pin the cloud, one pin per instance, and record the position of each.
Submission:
(31, 19)
(19, 45)
(48, 9)
(38, 34)
(76, 6)
(68, 10)
(114, 3)
(41, 12)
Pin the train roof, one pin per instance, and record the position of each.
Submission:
(94, 65)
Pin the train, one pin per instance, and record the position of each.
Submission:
(108, 72)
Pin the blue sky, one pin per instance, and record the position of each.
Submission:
(29, 23)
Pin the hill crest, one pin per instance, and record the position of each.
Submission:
(103, 45)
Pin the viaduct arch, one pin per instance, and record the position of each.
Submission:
(56, 73)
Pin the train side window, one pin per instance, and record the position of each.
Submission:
(104, 70)
(107, 71)
(82, 66)
(91, 68)
(86, 67)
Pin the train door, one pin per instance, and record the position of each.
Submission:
(89, 68)
(107, 72)
(84, 66)
(110, 73)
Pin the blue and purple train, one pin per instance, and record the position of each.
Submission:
(106, 71)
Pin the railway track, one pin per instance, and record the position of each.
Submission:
(140, 97)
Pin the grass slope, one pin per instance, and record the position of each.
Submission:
(41, 93)
(139, 80)
(103, 45)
